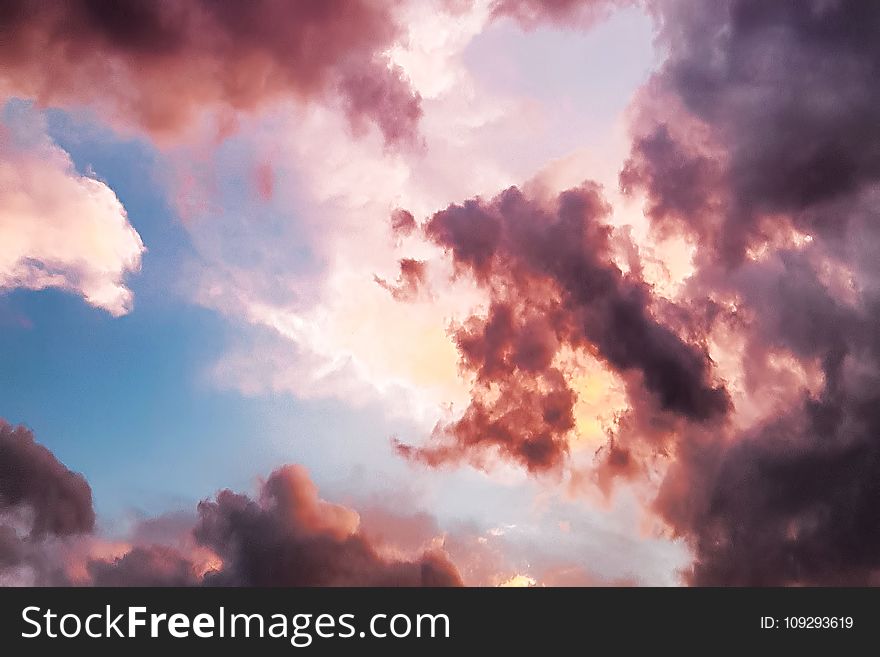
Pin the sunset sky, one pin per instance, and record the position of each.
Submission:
(482, 292)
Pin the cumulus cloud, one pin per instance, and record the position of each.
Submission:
(320, 243)
(336, 332)
(159, 64)
(59, 228)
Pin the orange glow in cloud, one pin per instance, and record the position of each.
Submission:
(518, 581)
(600, 398)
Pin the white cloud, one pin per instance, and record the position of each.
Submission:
(59, 228)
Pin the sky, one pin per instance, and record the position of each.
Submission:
(480, 292)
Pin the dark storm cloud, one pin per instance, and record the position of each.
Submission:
(793, 501)
(790, 500)
(788, 91)
(762, 121)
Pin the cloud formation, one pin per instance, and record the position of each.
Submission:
(752, 388)
(40, 501)
(159, 64)
(411, 280)
(776, 117)
(59, 228)
(293, 538)
(553, 285)
(56, 500)
(757, 140)
(755, 143)
(151, 565)
(288, 536)
(580, 13)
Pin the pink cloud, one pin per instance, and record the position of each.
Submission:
(158, 65)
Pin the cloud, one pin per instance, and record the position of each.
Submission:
(410, 282)
(750, 385)
(402, 222)
(152, 565)
(159, 64)
(780, 116)
(293, 538)
(790, 503)
(786, 499)
(337, 332)
(287, 536)
(56, 500)
(303, 266)
(566, 13)
(755, 139)
(41, 502)
(553, 285)
(59, 228)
